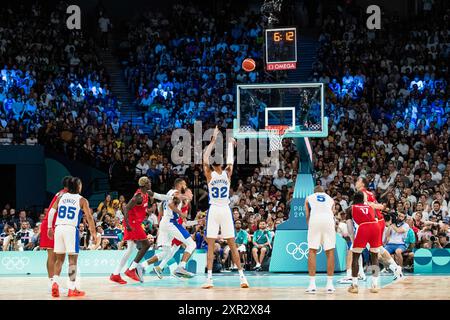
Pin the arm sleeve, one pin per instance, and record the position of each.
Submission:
(162, 197)
(51, 215)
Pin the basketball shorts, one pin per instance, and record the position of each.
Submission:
(137, 234)
(45, 242)
(322, 232)
(168, 231)
(367, 233)
(219, 217)
(67, 239)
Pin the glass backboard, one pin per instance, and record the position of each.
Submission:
(300, 106)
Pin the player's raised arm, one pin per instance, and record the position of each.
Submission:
(230, 156)
(136, 200)
(84, 204)
(207, 154)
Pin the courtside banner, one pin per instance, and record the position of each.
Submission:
(292, 253)
(89, 262)
(432, 261)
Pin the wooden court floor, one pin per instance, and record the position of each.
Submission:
(100, 288)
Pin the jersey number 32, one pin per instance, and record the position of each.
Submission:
(216, 194)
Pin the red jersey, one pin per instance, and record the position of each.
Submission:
(61, 192)
(139, 212)
(362, 213)
(371, 198)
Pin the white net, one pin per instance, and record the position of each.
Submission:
(276, 136)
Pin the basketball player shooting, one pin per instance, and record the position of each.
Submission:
(219, 214)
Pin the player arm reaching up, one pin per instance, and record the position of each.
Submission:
(207, 154)
(230, 157)
(84, 204)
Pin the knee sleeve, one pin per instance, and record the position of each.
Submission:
(190, 245)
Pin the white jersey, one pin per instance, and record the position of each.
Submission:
(69, 210)
(219, 189)
(321, 205)
(168, 214)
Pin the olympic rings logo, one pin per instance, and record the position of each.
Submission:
(298, 252)
(15, 263)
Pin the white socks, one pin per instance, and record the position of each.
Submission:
(360, 265)
(392, 265)
(329, 281)
(183, 264)
(209, 274)
(144, 264)
(133, 265)
(374, 281)
(71, 285)
(130, 248)
(241, 273)
(312, 281)
(349, 273)
(355, 281)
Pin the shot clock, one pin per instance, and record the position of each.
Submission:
(281, 49)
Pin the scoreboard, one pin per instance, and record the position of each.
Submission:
(281, 49)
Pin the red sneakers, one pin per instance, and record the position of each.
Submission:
(75, 293)
(132, 274)
(117, 278)
(55, 290)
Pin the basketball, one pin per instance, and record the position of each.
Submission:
(248, 65)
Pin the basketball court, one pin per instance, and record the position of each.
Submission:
(264, 286)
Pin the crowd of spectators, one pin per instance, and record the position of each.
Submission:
(394, 129)
(183, 65)
(387, 104)
(53, 87)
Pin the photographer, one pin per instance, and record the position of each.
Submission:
(437, 239)
(440, 241)
(9, 242)
(396, 234)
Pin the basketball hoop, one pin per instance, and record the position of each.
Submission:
(276, 134)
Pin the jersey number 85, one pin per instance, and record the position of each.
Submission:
(66, 212)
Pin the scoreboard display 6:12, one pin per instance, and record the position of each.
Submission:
(281, 49)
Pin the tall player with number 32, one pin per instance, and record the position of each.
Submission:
(219, 214)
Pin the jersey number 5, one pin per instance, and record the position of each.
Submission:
(215, 192)
(66, 212)
(321, 198)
